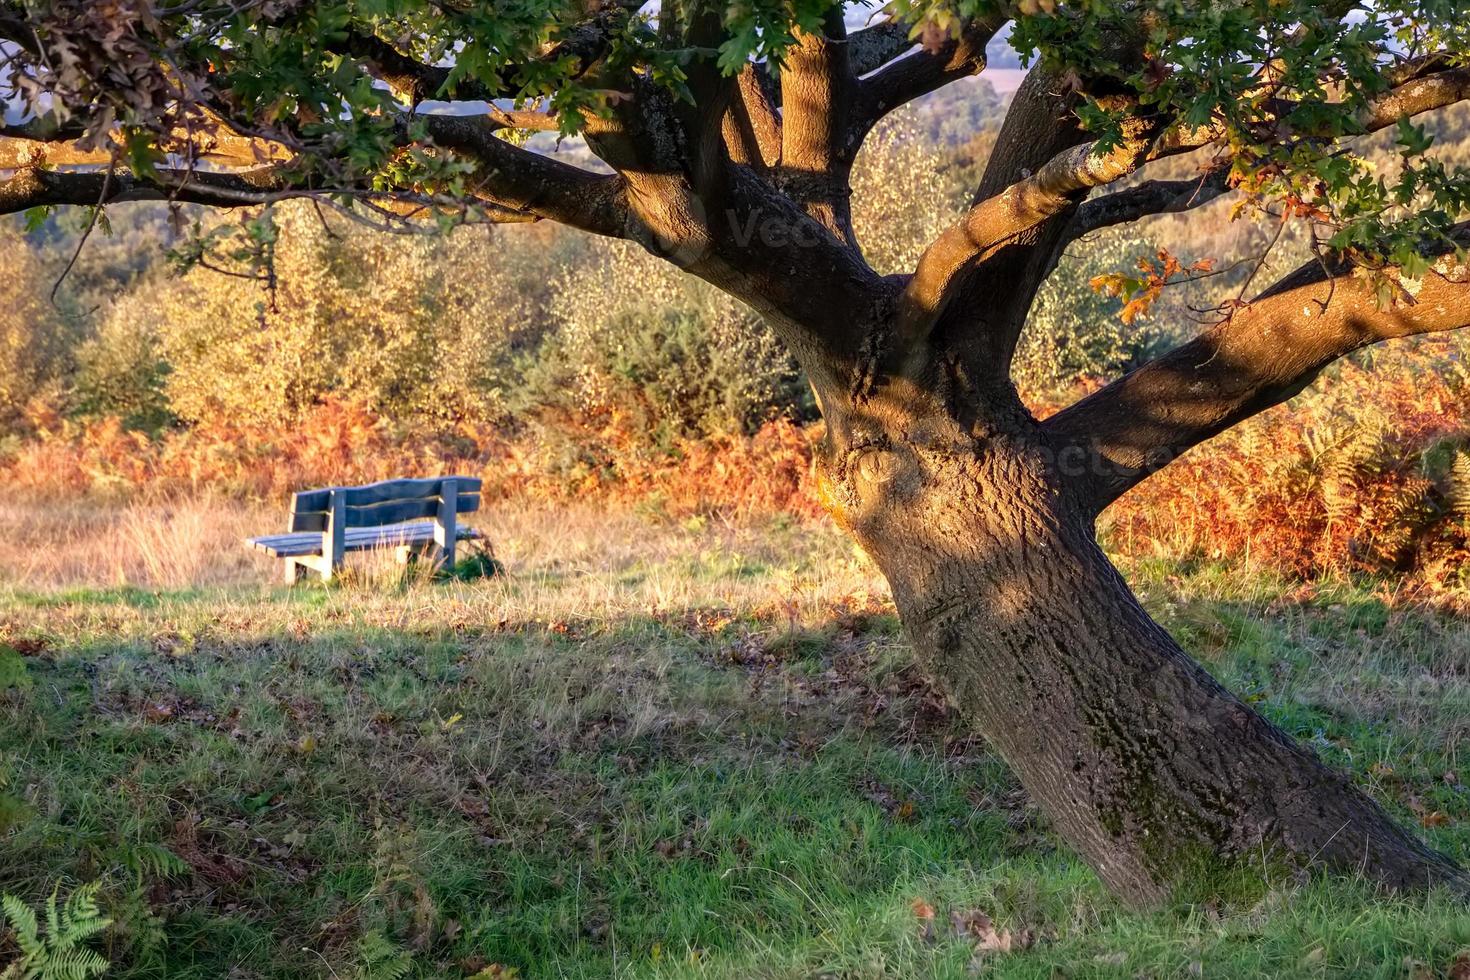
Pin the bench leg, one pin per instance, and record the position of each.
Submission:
(297, 567)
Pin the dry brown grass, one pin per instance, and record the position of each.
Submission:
(615, 560)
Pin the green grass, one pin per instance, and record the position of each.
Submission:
(680, 763)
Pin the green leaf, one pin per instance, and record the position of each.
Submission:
(1414, 139)
(36, 217)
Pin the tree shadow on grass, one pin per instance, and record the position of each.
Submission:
(571, 799)
(693, 793)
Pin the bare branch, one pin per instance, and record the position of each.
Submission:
(925, 71)
(1149, 198)
(1259, 357)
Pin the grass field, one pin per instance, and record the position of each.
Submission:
(652, 749)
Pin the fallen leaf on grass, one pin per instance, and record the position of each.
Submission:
(159, 711)
(1436, 819)
(924, 912)
(978, 926)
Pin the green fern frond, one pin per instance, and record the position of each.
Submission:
(53, 916)
(382, 959)
(75, 964)
(81, 919)
(58, 954)
(27, 930)
(150, 860)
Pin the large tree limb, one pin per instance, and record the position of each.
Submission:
(816, 98)
(511, 179)
(580, 46)
(33, 187)
(521, 180)
(1257, 358)
(1421, 93)
(38, 143)
(876, 45)
(413, 81)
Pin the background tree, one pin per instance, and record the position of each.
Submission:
(727, 135)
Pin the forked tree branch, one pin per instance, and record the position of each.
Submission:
(908, 78)
(752, 126)
(1040, 205)
(1257, 358)
(1057, 186)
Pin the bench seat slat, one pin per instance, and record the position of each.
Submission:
(357, 539)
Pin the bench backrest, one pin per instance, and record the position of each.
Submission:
(388, 502)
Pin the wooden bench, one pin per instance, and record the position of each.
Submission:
(326, 524)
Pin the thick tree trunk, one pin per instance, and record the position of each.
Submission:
(1148, 767)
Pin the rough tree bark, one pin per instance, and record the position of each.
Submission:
(980, 516)
(1146, 765)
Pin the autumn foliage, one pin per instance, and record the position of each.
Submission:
(1369, 473)
(338, 443)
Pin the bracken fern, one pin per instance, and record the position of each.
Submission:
(58, 953)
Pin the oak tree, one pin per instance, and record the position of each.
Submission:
(728, 133)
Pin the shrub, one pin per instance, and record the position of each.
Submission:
(1073, 333)
(121, 370)
(906, 189)
(353, 315)
(35, 338)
